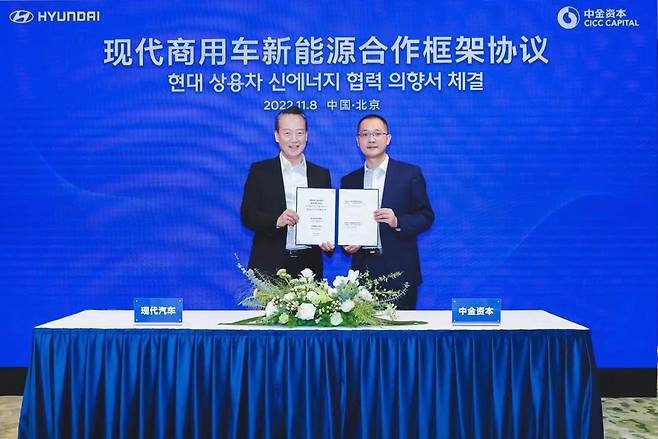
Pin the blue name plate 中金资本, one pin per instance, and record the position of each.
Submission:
(476, 311)
(158, 310)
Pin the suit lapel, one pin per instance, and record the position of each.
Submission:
(277, 179)
(357, 183)
(388, 180)
(311, 176)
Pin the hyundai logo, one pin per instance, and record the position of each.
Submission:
(21, 16)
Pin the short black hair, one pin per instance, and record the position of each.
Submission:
(290, 110)
(372, 116)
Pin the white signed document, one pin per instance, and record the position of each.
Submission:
(317, 216)
(356, 217)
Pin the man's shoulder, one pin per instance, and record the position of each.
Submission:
(316, 168)
(263, 165)
(399, 166)
(403, 171)
(354, 173)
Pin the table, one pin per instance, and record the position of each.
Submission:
(96, 374)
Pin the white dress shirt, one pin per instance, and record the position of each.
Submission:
(375, 179)
(293, 177)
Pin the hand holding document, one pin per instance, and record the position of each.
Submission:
(316, 209)
(356, 221)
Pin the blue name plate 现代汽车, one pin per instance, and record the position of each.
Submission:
(476, 311)
(158, 310)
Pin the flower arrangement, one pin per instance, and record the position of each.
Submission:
(351, 300)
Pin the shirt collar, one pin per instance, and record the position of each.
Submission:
(383, 166)
(287, 166)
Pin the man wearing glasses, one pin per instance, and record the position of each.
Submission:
(404, 211)
(269, 199)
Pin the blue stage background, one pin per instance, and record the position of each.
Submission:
(544, 182)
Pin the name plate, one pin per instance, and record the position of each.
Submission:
(476, 311)
(158, 310)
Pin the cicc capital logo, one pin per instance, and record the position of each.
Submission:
(21, 16)
(568, 17)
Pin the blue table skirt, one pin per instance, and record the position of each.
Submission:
(401, 383)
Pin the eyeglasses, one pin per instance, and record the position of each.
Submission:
(375, 134)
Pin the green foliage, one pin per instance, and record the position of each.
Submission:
(351, 300)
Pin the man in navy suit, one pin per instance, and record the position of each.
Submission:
(269, 199)
(404, 212)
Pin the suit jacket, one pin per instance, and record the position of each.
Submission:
(406, 194)
(263, 200)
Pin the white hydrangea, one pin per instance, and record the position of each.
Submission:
(289, 297)
(313, 297)
(347, 306)
(306, 311)
(336, 318)
(364, 295)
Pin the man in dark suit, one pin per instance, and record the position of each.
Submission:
(404, 212)
(268, 201)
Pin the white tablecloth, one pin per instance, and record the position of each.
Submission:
(436, 320)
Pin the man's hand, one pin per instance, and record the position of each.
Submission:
(351, 249)
(327, 247)
(288, 218)
(386, 215)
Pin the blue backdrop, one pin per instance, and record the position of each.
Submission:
(541, 164)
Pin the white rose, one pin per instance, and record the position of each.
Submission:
(364, 294)
(281, 272)
(289, 297)
(283, 318)
(352, 275)
(306, 311)
(270, 309)
(336, 318)
(340, 281)
(307, 273)
(347, 306)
